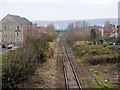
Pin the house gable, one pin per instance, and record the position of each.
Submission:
(9, 19)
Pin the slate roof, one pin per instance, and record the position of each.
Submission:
(20, 20)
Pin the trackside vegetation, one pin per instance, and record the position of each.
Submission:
(96, 54)
(19, 65)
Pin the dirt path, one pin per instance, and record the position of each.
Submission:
(60, 81)
(46, 74)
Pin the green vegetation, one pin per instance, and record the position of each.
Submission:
(19, 65)
(95, 54)
(91, 50)
(100, 78)
(94, 83)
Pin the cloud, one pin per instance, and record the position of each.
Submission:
(59, 9)
(104, 2)
(64, 1)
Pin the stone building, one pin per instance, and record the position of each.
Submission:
(10, 29)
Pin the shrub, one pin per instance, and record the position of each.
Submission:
(77, 35)
(96, 54)
(18, 65)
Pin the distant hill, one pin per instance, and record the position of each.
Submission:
(64, 23)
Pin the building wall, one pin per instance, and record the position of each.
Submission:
(32, 31)
(0, 36)
(9, 25)
(108, 29)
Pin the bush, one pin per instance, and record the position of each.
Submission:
(77, 35)
(18, 65)
(96, 54)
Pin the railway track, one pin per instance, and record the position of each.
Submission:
(67, 51)
(97, 81)
(71, 79)
(91, 73)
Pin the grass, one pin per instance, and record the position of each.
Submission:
(0, 56)
(94, 56)
(19, 65)
(94, 83)
(100, 78)
(78, 59)
(92, 80)
(96, 53)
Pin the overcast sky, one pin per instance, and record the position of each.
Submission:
(60, 9)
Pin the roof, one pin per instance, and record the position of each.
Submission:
(20, 20)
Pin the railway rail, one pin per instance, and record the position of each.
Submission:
(71, 79)
(67, 51)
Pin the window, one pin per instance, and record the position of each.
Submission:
(5, 27)
(17, 27)
(16, 33)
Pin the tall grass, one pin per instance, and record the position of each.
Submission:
(77, 35)
(96, 54)
(18, 65)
